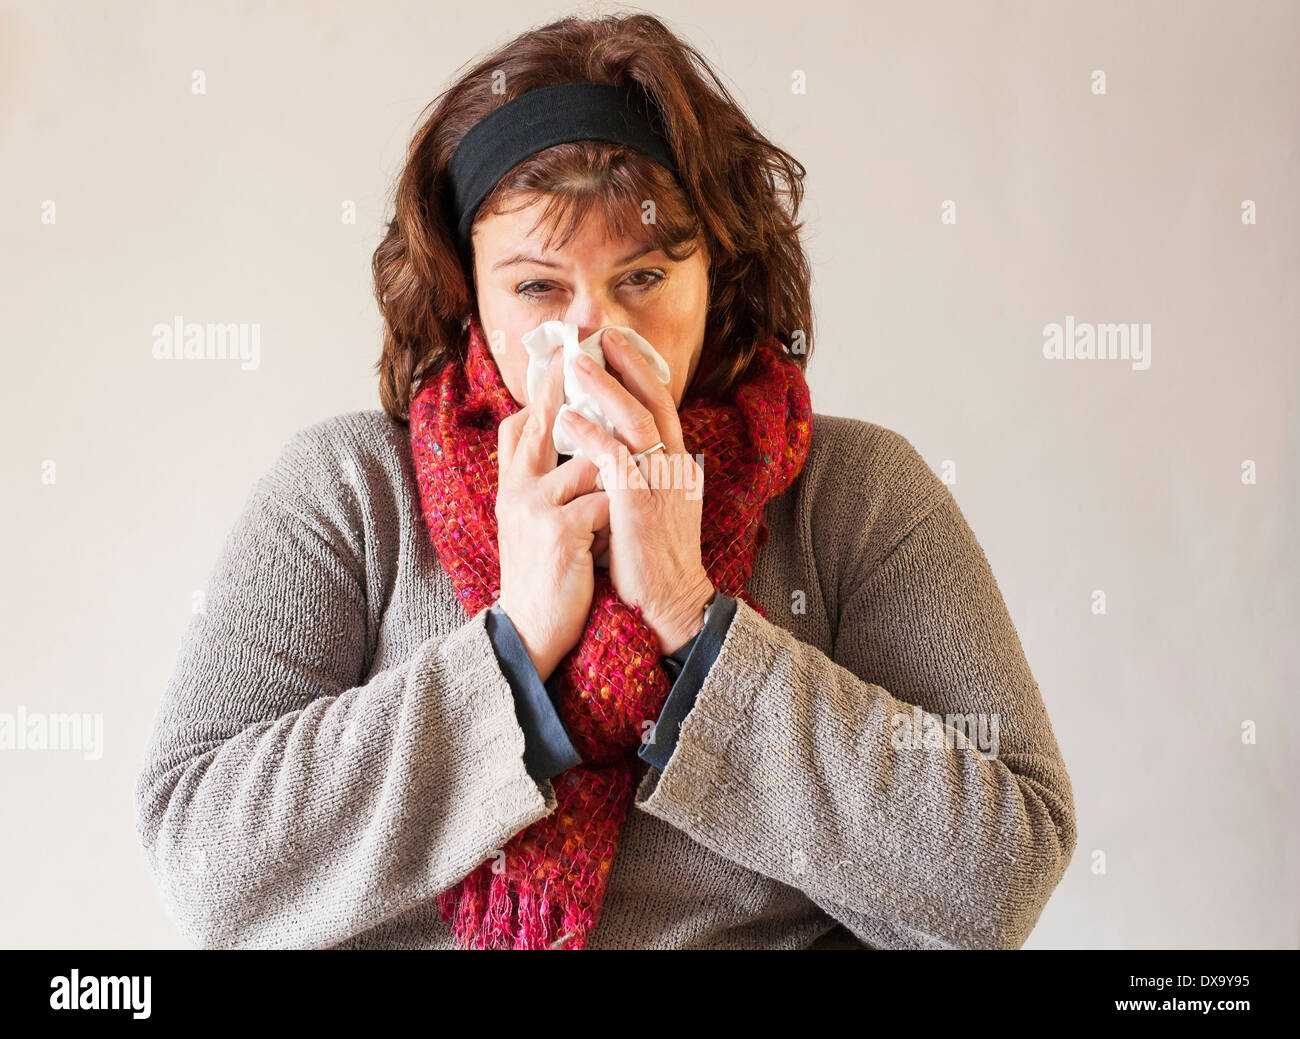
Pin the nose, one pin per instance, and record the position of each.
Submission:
(592, 313)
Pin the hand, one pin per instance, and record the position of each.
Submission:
(546, 519)
(655, 506)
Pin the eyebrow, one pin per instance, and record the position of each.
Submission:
(529, 258)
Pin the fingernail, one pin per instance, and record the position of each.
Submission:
(615, 336)
(586, 363)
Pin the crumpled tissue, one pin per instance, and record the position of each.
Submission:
(542, 342)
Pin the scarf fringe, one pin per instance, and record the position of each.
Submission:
(492, 912)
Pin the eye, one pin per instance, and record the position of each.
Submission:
(522, 290)
(531, 289)
(655, 276)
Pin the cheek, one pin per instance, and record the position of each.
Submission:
(682, 341)
(684, 331)
(513, 362)
(503, 341)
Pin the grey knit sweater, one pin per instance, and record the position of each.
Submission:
(337, 742)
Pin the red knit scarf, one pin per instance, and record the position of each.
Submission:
(547, 890)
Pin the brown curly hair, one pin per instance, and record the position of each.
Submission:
(734, 188)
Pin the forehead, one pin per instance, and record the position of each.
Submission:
(523, 230)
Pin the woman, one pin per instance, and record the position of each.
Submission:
(455, 689)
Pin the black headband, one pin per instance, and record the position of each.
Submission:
(537, 120)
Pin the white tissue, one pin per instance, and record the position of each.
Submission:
(542, 342)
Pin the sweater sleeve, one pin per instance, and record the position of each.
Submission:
(284, 800)
(861, 777)
(686, 668)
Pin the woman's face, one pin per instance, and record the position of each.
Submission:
(591, 283)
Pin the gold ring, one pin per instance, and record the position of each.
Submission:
(649, 451)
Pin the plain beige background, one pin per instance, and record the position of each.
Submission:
(1076, 476)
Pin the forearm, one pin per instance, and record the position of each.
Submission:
(307, 828)
(787, 764)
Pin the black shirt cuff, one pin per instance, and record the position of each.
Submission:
(687, 669)
(548, 750)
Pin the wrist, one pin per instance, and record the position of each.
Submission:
(543, 662)
(688, 621)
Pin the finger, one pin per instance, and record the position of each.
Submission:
(633, 422)
(589, 510)
(536, 448)
(509, 430)
(644, 385)
(611, 456)
(570, 479)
